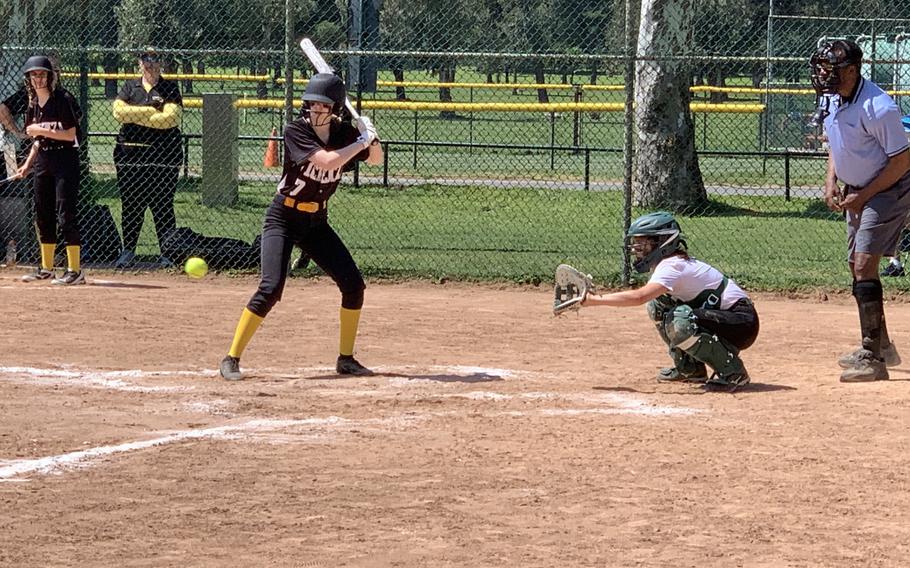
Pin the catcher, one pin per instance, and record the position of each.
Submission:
(705, 318)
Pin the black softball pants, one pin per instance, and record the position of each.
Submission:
(282, 229)
(145, 186)
(57, 207)
(738, 325)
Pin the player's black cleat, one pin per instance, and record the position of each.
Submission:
(230, 368)
(347, 365)
(70, 278)
(38, 274)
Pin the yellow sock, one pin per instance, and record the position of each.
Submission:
(246, 327)
(47, 255)
(349, 321)
(73, 260)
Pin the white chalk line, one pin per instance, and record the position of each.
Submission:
(111, 380)
(263, 429)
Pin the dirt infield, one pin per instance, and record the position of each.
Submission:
(494, 435)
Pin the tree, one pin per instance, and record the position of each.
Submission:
(668, 175)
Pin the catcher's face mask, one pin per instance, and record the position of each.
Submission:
(829, 63)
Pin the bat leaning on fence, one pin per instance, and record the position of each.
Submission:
(322, 67)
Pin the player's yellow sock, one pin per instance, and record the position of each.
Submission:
(73, 260)
(47, 255)
(246, 327)
(348, 331)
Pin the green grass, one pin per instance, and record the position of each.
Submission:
(520, 235)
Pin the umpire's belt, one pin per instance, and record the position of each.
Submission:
(305, 206)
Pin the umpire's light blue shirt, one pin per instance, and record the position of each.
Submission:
(863, 133)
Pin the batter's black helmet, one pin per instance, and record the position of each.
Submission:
(38, 63)
(326, 88)
(828, 60)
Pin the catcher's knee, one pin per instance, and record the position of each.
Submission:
(680, 326)
(655, 311)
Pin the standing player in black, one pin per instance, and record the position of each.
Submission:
(318, 146)
(148, 153)
(52, 121)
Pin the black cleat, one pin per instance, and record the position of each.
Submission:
(70, 278)
(38, 274)
(230, 368)
(347, 365)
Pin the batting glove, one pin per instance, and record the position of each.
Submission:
(365, 125)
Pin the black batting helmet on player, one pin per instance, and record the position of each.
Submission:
(828, 61)
(663, 230)
(325, 88)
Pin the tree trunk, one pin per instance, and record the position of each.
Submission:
(667, 172)
(187, 68)
(111, 64)
(540, 79)
(398, 73)
(446, 75)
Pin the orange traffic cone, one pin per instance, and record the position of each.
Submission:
(271, 151)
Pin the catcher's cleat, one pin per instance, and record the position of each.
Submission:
(347, 365)
(889, 354)
(230, 368)
(866, 367)
(38, 274)
(698, 374)
(730, 381)
(70, 278)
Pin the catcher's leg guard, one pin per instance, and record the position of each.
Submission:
(676, 325)
(707, 348)
(684, 368)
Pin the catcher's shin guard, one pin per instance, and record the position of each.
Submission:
(720, 356)
(717, 353)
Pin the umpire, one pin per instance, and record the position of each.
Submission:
(867, 152)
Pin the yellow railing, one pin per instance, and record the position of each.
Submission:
(490, 107)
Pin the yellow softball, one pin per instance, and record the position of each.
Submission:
(195, 267)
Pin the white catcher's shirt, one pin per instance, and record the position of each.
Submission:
(687, 278)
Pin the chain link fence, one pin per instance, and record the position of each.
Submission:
(517, 135)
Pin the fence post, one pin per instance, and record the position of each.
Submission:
(220, 158)
(385, 164)
(415, 139)
(787, 175)
(628, 147)
(587, 168)
(576, 119)
(552, 140)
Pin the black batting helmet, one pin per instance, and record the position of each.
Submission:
(828, 60)
(38, 63)
(326, 88)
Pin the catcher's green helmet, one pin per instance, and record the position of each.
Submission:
(665, 230)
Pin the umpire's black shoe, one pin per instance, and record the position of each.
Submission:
(230, 368)
(347, 365)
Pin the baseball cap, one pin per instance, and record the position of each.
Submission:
(149, 55)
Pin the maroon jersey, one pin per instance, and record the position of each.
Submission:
(301, 179)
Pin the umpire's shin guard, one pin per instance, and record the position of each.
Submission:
(869, 300)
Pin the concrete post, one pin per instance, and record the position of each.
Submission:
(220, 154)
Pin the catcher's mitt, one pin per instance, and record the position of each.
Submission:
(571, 289)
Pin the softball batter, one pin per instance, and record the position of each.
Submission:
(318, 147)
